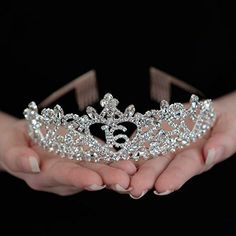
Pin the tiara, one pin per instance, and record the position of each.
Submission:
(157, 131)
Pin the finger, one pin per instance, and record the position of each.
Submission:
(16, 154)
(147, 174)
(21, 159)
(57, 171)
(115, 178)
(218, 148)
(127, 166)
(184, 166)
(68, 173)
(222, 143)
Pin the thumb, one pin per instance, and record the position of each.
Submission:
(16, 154)
(21, 159)
(221, 144)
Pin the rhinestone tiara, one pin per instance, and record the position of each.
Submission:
(157, 131)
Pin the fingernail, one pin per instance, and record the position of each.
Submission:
(212, 155)
(95, 187)
(34, 164)
(136, 198)
(120, 189)
(163, 193)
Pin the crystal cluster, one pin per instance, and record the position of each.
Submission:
(157, 131)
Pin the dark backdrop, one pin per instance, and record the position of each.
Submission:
(44, 47)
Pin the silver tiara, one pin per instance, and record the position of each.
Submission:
(157, 131)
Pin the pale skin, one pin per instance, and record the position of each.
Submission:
(47, 172)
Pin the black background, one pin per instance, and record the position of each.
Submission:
(43, 47)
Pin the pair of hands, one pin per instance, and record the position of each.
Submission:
(44, 171)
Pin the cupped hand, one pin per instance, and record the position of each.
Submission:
(45, 171)
(168, 173)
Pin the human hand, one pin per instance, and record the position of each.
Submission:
(168, 173)
(45, 171)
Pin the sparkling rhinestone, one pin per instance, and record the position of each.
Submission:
(148, 114)
(34, 122)
(194, 99)
(162, 133)
(156, 123)
(91, 112)
(33, 106)
(129, 111)
(184, 142)
(58, 111)
(68, 139)
(26, 113)
(207, 104)
(164, 105)
(177, 110)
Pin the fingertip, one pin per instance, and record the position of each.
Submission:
(162, 186)
(118, 177)
(136, 197)
(110, 175)
(118, 188)
(28, 164)
(215, 149)
(210, 145)
(169, 181)
(164, 193)
(95, 187)
(214, 155)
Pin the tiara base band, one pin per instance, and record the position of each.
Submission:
(157, 131)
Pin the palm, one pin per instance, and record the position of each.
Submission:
(168, 173)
